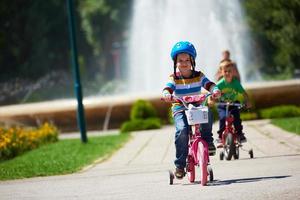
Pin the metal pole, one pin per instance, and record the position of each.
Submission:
(76, 74)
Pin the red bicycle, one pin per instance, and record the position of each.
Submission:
(230, 142)
(198, 148)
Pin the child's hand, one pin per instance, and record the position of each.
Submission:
(216, 95)
(168, 97)
(248, 104)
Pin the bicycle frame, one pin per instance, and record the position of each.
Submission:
(229, 128)
(198, 154)
(195, 138)
(230, 142)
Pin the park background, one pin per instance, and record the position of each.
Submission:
(121, 45)
(35, 53)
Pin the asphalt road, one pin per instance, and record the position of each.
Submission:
(140, 171)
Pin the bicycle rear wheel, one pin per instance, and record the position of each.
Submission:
(203, 162)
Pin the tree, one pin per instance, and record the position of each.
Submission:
(276, 27)
(34, 42)
(104, 23)
(33, 37)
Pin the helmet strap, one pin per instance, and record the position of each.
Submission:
(193, 65)
(175, 59)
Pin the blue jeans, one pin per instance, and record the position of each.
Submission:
(182, 136)
(237, 123)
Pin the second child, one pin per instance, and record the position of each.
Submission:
(232, 91)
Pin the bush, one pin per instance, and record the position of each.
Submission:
(143, 116)
(142, 109)
(215, 113)
(140, 124)
(170, 117)
(249, 116)
(16, 140)
(280, 112)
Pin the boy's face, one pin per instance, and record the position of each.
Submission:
(184, 64)
(227, 73)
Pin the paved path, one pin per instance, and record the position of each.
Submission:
(139, 171)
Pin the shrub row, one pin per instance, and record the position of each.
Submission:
(282, 111)
(141, 124)
(16, 140)
(143, 116)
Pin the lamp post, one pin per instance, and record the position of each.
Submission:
(76, 74)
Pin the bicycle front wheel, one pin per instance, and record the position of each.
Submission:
(190, 169)
(229, 147)
(203, 162)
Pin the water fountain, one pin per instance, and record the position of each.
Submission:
(211, 25)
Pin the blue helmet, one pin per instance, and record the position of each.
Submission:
(183, 47)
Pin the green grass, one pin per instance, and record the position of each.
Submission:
(63, 157)
(288, 124)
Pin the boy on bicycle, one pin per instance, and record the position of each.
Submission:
(232, 91)
(187, 81)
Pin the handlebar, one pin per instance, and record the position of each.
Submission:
(227, 104)
(185, 100)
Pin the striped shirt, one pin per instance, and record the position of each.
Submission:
(180, 86)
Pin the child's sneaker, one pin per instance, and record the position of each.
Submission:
(179, 173)
(242, 138)
(211, 149)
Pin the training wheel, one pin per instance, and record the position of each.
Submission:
(221, 155)
(251, 153)
(210, 174)
(171, 177)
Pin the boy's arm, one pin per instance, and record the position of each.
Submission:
(241, 90)
(215, 91)
(247, 100)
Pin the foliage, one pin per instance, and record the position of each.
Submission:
(289, 124)
(215, 113)
(280, 112)
(249, 115)
(276, 28)
(143, 116)
(99, 16)
(272, 112)
(142, 109)
(62, 157)
(104, 23)
(34, 40)
(16, 140)
(140, 124)
(170, 116)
